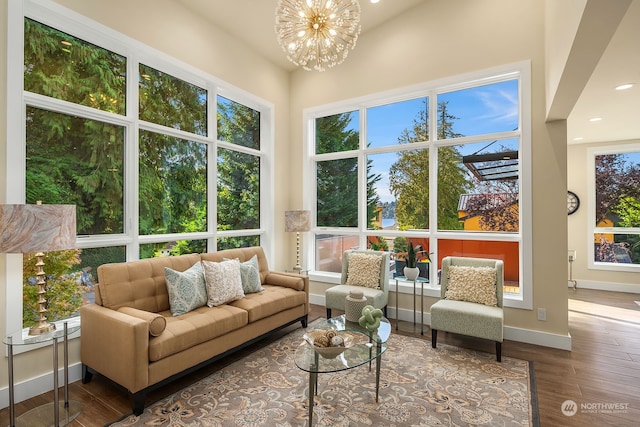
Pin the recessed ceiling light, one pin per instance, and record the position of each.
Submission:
(625, 86)
(578, 138)
(374, 1)
(595, 119)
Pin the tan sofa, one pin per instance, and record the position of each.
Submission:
(118, 330)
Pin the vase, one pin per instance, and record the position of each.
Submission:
(353, 306)
(411, 273)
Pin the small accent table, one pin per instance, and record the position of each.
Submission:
(364, 351)
(421, 281)
(47, 414)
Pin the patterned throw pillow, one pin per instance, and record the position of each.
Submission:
(224, 283)
(250, 275)
(364, 270)
(187, 290)
(473, 284)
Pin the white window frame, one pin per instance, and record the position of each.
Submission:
(521, 71)
(55, 15)
(592, 229)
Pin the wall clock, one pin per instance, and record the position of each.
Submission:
(573, 202)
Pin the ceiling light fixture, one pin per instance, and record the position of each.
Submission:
(595, 119)
(625, 86)
(317, 34)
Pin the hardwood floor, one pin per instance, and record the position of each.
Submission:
(601, 374)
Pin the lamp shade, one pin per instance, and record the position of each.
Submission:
(37, 228)
(297, 220)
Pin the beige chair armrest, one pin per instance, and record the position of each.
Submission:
(116, 345)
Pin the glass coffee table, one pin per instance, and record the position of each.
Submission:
(365, 348)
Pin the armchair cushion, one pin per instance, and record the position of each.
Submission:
(187, 290)
(364, 270)
(473, 284)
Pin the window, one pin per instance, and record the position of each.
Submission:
(615, 215)
(443, 167)
(153, 177)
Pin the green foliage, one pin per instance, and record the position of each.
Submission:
(410, 258)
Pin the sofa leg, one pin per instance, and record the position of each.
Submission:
(498, 351)
(139, 399)
(304, 321)
(87, 375)
(328, 313)
(434, 338)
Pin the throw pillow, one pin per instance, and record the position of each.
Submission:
(250, 275)
(364, 270)
(224, 283)
(157, 323)
(187, 290)
(473, 284)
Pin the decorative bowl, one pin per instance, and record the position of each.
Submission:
(317, 340)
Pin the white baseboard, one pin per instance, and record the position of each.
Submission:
(42, 384)
(529, 336)
(604, 286)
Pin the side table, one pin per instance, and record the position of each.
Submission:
(47, 414)
(419, 281)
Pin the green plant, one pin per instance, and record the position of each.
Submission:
(410, 258)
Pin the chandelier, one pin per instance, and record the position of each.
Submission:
(317, 34)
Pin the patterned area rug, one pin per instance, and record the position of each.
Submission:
(419, 386)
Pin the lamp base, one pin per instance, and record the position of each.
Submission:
(42, 328)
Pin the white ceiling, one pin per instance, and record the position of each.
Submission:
(252, 21)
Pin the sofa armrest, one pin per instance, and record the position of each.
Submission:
(116, 345)
(295, 281)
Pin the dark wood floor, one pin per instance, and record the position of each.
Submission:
(601, 372)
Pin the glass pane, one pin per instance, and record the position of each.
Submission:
(340, 132)
(329, 250)
(238, 190)
(171, 102)
(238, 124)
(77, 161)
(409, 185)
(172, 185)
(478, 187)
(478, 110)
(175, 248)
(398, 247)
(398, 123)
(617, 190)
(508, 252)
(337, 193)
(617, 248)
(238, 242)
(61, 66)
(381, 202)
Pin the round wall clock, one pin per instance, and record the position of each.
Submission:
(573, 202)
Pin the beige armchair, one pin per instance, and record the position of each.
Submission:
(471, 304)
(365, 271)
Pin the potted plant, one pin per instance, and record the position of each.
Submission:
(411, 270)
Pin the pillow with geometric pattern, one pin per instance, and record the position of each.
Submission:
(473, 284)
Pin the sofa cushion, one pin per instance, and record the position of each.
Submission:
(187, 290)
(364, 270)
(224, 283)
(195, 327)
(250, 275)
(157, 322)
(272, 300)
(472, 284)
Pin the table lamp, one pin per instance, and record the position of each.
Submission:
(38, 228)
(298, 221)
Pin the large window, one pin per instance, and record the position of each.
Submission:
(440, 167)
(615, 215)
(176, 169)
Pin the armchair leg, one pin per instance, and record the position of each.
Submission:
(434, 338)
(384, 311)
(328, 313)
(498, 351)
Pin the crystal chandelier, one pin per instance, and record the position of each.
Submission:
(317, 34)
